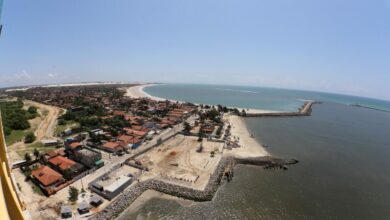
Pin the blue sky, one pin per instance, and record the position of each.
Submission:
(335, 46)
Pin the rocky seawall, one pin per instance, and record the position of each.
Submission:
(224, 168)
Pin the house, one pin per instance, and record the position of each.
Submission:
(53, 153)
(74, 146)
(125, 139)
(138, 133)
(111, 146)
(64, 164)
(47, 176)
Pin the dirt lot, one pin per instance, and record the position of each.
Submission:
(42, 126)
(179, 161)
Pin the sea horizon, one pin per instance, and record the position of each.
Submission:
(300, 96)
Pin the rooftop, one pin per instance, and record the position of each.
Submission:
(74, 145)
(62, 162)
(46, 175)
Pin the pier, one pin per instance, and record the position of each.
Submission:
(224, 169)
(305, 110)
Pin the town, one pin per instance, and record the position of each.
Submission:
(105, 142)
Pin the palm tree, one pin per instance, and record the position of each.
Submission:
(27, 157)
(36, 153)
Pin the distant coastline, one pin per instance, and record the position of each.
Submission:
(368, 107)
(139, 92)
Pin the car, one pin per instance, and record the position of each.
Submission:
(120, 153)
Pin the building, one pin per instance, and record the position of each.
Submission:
(47, 178)
(64, 164)
(90, 158)
(95, 201)
(54, 153)
(112, 146)
(83, 208)
(74, 146)
(66, 211)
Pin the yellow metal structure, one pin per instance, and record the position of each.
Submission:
(10, 204)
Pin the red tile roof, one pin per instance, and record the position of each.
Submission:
(136, 132)
(111, 145)
(46, 176)
(74, 145)
(125, 138)
(62, 162)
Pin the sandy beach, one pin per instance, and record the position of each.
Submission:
(250, 147)
(138, 92)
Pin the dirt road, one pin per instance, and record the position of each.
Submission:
(43, 127)
(49, 115)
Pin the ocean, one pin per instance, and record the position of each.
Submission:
(344, 171)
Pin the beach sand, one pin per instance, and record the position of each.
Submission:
(250, 147)
(138, 92)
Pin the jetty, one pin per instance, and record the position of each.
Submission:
(225, 168)
(305, 110)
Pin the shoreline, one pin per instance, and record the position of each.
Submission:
(138, 92)
(250, 146)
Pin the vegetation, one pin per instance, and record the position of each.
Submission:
(29, 138)
(187, 127)
(15, 120)
(73, 194)
(36, 153)
(14, 116)
(64, 125)
(29, 148)
(14, 136)
(32, 110)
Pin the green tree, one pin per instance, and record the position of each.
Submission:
(32, 110)
(61, 121)
(29, 138)
(68, 174)
(187, 127)
(73, 194)
(36, 153)
(243, 112)
(27, 157)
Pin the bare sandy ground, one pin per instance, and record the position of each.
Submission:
(250, 147)
(178, 161)
(47, 126)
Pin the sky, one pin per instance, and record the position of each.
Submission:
(332, 46)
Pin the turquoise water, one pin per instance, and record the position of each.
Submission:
(344, 171)
(254, 97)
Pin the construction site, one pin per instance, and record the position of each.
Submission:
(182, 160)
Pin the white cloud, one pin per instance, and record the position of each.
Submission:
(16, 78)
(51, 75)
